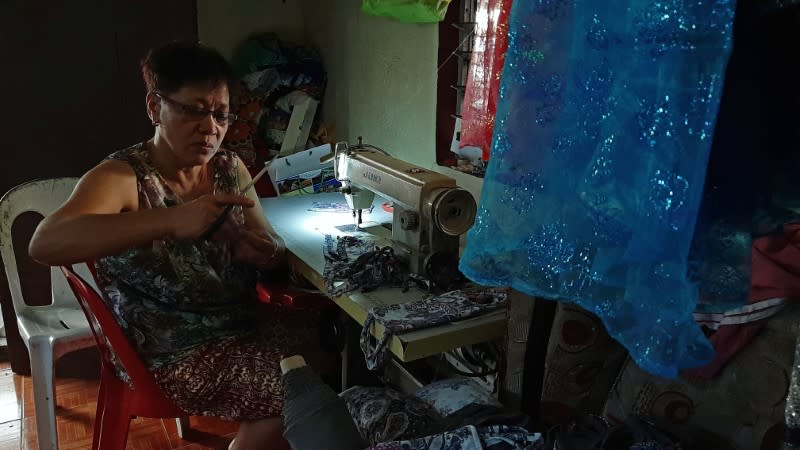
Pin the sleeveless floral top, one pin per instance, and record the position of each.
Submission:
(172, 296)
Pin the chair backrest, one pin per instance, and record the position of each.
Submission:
(111, 340)
(39, 196)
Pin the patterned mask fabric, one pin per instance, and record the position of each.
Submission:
(429, 312)
(497, 437)
(599, 154)
(383, 414)
(360, 264)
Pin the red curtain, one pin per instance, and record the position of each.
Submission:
(483, 82)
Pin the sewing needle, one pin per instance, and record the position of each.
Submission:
(221, 219)
(257, 176)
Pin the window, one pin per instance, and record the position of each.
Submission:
(456, 33)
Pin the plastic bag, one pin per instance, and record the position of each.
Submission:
(411, 11)
(483, 82)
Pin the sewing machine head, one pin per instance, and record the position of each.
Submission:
(429, 211)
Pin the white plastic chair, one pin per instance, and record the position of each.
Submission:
(49, 331)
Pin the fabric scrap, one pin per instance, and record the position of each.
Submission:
(353, 263)
(436, 310)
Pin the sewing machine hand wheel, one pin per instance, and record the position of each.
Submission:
(454, 211)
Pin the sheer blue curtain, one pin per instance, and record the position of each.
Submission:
(599, 154)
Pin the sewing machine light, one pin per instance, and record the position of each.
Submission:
(340, 165)
(339, 151)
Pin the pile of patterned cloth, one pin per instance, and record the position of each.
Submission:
(275, 75)
(353, 263)
(459, 414)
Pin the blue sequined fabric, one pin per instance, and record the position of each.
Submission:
(601, 142)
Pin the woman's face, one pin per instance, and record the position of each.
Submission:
(192, 121)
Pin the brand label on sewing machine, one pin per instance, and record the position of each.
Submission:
(374, 177)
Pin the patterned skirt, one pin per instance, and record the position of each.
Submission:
(239, 377)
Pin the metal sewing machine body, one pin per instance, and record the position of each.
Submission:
(429, 211)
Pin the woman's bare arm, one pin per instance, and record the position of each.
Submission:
(99, 219)
(102, 218)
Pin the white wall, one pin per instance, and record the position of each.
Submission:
(225, 24)
(381, 72)
(382, 81)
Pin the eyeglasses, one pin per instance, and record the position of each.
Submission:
(194, 113)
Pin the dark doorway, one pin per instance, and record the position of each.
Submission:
(72, 94)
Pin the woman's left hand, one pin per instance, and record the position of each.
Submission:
(258, 249)
(254, 247)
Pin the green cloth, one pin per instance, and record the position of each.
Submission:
(410, 11)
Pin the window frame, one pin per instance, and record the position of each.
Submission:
(455, 50)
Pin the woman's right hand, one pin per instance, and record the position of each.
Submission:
(192, 219)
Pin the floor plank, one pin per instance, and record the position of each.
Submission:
(76, 400)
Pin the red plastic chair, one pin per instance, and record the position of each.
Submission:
(118, 403)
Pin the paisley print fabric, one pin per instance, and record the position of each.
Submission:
(429, 312)
(353, 263)
(170, 297)
(472, 438)
(238, 377)
(383, 414)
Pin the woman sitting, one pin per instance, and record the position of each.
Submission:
(184, 300)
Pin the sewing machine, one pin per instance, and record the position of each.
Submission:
(429, 211)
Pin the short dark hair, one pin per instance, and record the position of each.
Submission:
(168, 68)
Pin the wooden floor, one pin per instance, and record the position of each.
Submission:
(76, 400)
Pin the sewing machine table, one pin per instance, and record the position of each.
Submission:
(303, 232)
